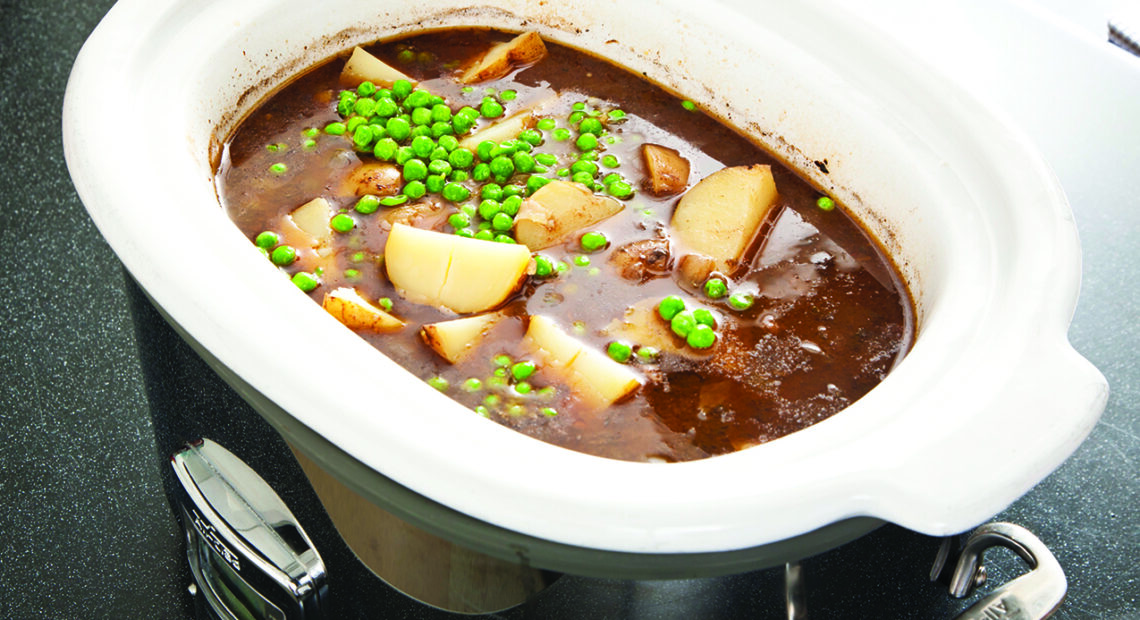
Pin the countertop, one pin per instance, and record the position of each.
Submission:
(85, 527)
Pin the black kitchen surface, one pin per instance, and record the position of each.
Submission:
(86, 530)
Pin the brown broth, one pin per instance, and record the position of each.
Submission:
(831, 316)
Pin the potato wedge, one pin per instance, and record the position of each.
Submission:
(348, 307)
(453, 272)
(668, 171)
(590, 373)
(557, 210)
(364, 67)
(501, 59)
(376, 178)
(313, 218)
(454, 340)
(721, 215)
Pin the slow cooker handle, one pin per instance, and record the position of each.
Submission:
(1034, 595)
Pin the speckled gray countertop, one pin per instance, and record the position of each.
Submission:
(85, 527)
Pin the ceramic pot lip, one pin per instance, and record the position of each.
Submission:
(981, 229)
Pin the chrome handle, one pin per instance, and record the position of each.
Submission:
(1032, 596)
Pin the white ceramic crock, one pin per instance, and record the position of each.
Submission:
(989, 401)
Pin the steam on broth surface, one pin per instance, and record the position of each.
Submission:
(655, 286)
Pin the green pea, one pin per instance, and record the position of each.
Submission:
(456, 193)
(341, 222)
(683, 323)
(523, 370)
(549, 412)
(591, 126)
(561, 134)
(492, 399)
(508, 95)
(543, 266)
(576, 117)
(701, 337)
(461, 158)
(439, 154)
(481, 410)
(385, 304)
(715, 288)
(352, 274)
(485, 235)
(531, 137)
(670, 307)
(278, 169)
(511, 205)
(704, 317)
(305, 281)
(481, 172)
(364, 106)
(417, 99)
(386, 107)
(472, 385)
(502, 167)
(393, 201)
(421, 116)
(485, 149)
(421, 130)
(459, 220)
(266, 239)
(523, 162)
(362, 137)
(283, 255)
(459, 176)
(415, 189)
(415, 170)
(741, 301)
(502, 222)
(335, 129)
(546, 159)
(585, 178)
(584, 166)
(385, 149)
(512, 190)
(647, 355)
(582, 260)
(825, 203)
(490, 108)
(492, 191)
(522, 387)
(619, 351)
(546, 124)
(535, 183)
(449, 143)
(422, 146)
(619, 189)
(404, 154)
(488, 209)
(434, 183)
(688, 105)
(616, 115)
(354, 122)
(504, 238)
(398, 128)
(586, 142)
(593, 241)
(439, 383)
(440, 112)
(439, 166)
(465, 232)
(610, 161)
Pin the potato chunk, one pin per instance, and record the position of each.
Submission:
(501, 59)
(590, 373)
(721, 215)
(347, 305)
(364, 67)
(376, 178)
(668, 171)
(460, 274)
(454, 340)
(313, 218)
(557, 210)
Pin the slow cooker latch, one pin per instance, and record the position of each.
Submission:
(1036, 594)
